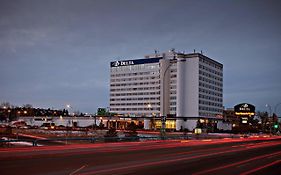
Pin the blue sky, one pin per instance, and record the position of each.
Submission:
(57, 52)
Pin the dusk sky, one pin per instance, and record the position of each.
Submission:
(58, 52)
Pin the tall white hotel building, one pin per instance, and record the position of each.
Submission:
(186, 87)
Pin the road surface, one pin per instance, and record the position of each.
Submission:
(177, 157)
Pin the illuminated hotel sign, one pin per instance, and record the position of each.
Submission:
(134, 62)
(244, 109)
(122, 63)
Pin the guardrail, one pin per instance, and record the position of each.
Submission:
(37, 142)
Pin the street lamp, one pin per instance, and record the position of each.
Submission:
(275, 112)
(269, 107)
(149, 107)
(68, 106)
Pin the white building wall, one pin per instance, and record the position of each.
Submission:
(191, 81)
(224, 126)
(190, 124)
(181, 87)
(187, 87)
(64, 121)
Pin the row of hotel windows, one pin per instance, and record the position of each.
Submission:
(135, 67)
(210, 98)
(173, 98)
(210, 86)
(134, 74)
(135, 79)
(173, 108)
(135, 89)
(210, 80)
(210, 70)
(135, 109)
(208, 75)
(173, 92)
(204, 114)
(173, 81)
(210, 92)
(173, 87)
(204, 108)
(173, 71)
(174, 76)
(134, 94)
(173, 103)
(210, 63)
(135, 84)
(153, 103)
(135, 104)
(135, 99)
(210, 103)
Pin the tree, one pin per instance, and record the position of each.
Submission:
(132, 131)
(264, 119)
(101, 125)
(27, 106)
(101, 111)
(65, 112)
(111, 132)
(6, 105)
(199, 124)
(153, 123)
(76, 112)
(275, 118)
(111, 135)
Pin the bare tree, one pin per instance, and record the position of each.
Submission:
(6, 105)
(27, 106)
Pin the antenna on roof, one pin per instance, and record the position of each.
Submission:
(201, 52)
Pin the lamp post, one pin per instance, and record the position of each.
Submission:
(275, 112)
(270, 122)
(68, 106)
(70, 121)
(149, 107)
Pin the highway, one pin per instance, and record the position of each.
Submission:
(179, 157)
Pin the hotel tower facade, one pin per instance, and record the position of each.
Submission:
(186, 87)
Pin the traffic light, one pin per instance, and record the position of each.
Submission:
(275, 126)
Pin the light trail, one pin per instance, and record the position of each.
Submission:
(79, 169)
(237, 163)
(125, 146)
(261, 167)
(172, 159)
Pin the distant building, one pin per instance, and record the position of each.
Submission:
(187, 87)
(230, 117)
